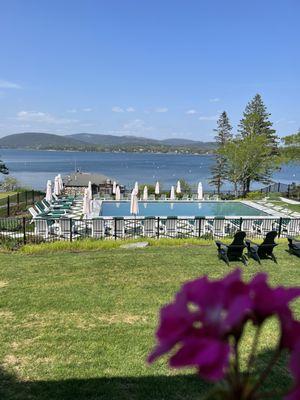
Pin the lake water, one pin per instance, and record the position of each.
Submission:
(33, 168)
(180, 209)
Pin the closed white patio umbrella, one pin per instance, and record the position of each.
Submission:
(172, 194)
(178, 187)
(156, 188)
(118, 193)
(134, 206)
(200, 191)
(86, 208)
(136, 188)
(114, 188)
(145, 193)
(89, 192)
(56, 186)
(60, 181)
(49, 191)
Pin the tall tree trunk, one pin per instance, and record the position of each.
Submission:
(248, 185)
(244, 189)
(235, 189)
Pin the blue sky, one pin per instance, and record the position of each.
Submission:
(150, 68)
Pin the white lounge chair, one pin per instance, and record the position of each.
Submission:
(33, 212)
(118, 228)
(218, 227)
(290, 227)
(248, 226)
(64, 227)
(41, 228)
(171, 227)
(264, 226)
(150, 227)
(199, 227)
(98, 228)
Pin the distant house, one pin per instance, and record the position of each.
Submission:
(75, 183)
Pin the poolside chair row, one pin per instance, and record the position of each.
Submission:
(55, 209)
(171, 227)
(64, 228)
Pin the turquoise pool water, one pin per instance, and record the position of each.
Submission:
(180, 209)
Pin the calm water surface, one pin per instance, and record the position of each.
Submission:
(33, 168)
(180, 209)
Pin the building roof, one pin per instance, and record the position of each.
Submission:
(83, 178)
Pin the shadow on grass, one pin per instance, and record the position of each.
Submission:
(179, 387)
(116, 388)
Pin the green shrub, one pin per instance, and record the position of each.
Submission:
(255, 196)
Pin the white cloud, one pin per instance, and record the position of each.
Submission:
(117, 109)
(191, 112)
(161, 109)
(38, 116)
(130, 109)
(279, 121)
(9, 85)
(72, 111)
(282, 120)
(134, 125)
(214, 100)
(208, 118)
(87, 109)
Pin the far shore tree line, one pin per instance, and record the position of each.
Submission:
(253, 154)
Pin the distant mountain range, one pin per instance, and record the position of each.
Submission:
(98, 142)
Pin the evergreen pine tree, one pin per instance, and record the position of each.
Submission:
(223, 135)
(256, 121)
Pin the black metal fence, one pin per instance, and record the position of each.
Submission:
(23, 230)
(18, 202)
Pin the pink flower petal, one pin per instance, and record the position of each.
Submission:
(211, 357)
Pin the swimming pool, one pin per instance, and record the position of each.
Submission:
(180, 209)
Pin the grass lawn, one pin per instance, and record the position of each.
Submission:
(5, 194)
(280, 203)
(80, 325)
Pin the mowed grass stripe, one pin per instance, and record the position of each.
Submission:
(80, 325)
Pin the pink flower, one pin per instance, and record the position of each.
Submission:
(295, 362)
(199, 321)
(268, 301)
(176, 321)
(290, 331)
(210, 356)
(222, 304)
(205, 315)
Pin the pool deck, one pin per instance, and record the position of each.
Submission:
(265, 208)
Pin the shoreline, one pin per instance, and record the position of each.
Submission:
(109, 151)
